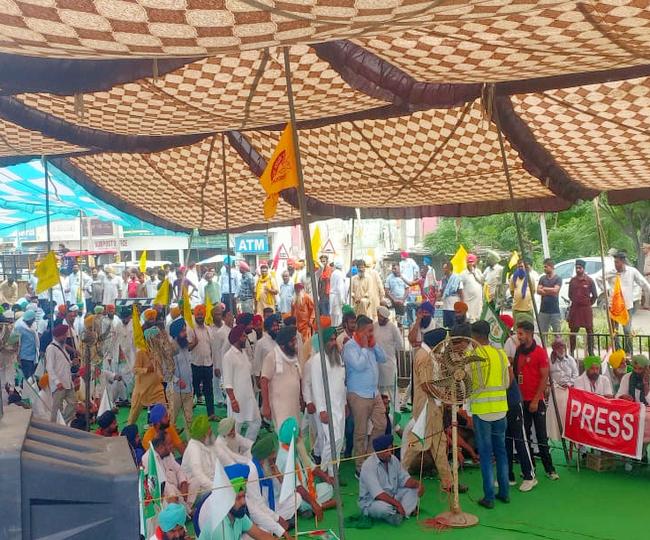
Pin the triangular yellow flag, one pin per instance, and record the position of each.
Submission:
(617, 310)
(162, 296)
(138, 335)
(208, 310)
(459, 261)
(281, 171)
(47, 273)
(513, 260)
(143, 261)
(187, 309)
(315, 244)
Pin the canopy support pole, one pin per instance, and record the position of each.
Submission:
(351, 262)
(520, 240)
(231, 297)
(601, 244)
(49, 234)
(314, 286)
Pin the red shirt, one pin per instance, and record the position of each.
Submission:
(528, 371)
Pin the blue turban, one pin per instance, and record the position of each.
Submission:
(427, 261)
(172, 516)
(428, 307)
(157, 413)
(383, 442)
(270, 320)
(433, 337)
(288, 429)
(29, 316)
(176, 327)
(238, 475)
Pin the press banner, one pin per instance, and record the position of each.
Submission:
(611, 425)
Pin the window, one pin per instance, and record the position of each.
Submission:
(565, 270)
(593, 267)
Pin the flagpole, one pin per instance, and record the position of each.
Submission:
(314, 287)
(601, 245)
(49, 236)
(231, 297)
(351, 261)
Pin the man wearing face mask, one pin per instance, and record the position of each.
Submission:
(171, 523)
(179, 393)
(237, 524)
(423, 323)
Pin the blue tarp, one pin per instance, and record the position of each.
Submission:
(22, 201)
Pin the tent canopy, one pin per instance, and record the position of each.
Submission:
(398, 103)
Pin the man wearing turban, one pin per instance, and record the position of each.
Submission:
(592, 380)
(200, 347)
(179, 389)
(472, 279)
(237, 382)
(107, 423)
(367, 291)
(171, 523)
(124, 348)
(229, 446)
(492, 278)
(265, 290)
(281, 378)
(386, 491)
(58, 365)
(635, 386)
(304, 311)
(198, 459)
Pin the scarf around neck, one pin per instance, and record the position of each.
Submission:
(521, 274)
(636, 383)
(280, 356)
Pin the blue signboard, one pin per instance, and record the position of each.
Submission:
(252, 243)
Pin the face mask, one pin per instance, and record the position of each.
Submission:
(183, 342)
(425, 321)
(239, 513)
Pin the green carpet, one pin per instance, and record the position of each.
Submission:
(581, 505)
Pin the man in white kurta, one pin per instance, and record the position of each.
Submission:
(367, 291)
(238, 384)
(591, 379)
(198, 459)
(338, 397)
(230, 447)
(220, 346)
(390, 339)
(124, 348)
(337, 293)
(111, 367)
(472, 280)
(57, 364)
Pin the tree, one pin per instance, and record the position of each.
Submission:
(634, 221)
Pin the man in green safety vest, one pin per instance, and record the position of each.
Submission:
(489, 406)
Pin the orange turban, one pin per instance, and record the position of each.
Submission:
(150, 315)
(88, 321)
(199, 311)
(325, 321)
(460, 306)
(175, 312)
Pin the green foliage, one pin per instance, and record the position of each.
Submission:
(571, 233)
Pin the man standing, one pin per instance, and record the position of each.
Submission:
(280, 380)
(285, 296)
(238, 383)
(209, 289)
(549, 289)
(96, 290)
(492, 278)
(229, 281)
(200, 347)
(9, 291)
(124, 348)
(148, 388)
(220, 345)
(472, 289)
(112, 288)
(397, 291)
(361, 356)
(629, 277)
(452, 292)
(323, 276)
(531, 369)
(337, 293)
(179, 393)
(367, 291)
(57, 364)
(265, 290)
(591, 380)
(266, 343)
(582, 294)
(390, 340)
(78, 285)
(521, 290)
(246, 288)
(489, 406)
(386, 491)
(424, 323)
(303, 310)
(28, 343)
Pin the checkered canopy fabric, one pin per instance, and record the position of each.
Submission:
(399, 103)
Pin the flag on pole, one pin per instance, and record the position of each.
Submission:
(315, 244)
(281, 172)
(617, 310)
(162, 296)
(289, 474)
(187, 308)
(498, 331)
(105, 404)
(59, 419)
(420, 426)
(155, 478)
(143, 261)
(514, 259)
(141, 499)
(459, 260)
(47, 273)
(138, 334)
(208, 309)
(221, 500)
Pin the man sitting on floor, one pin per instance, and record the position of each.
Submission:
(198, 459)
(591, 379)
(171, 523)
(107, 425)
(386, 491)
(231, 447)
(160, 421)
(635, 386)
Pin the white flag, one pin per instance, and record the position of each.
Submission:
(289, 474)
(105, 404)
(221, 500)
(420, 426)
(59, 418)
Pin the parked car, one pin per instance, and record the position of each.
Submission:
(593, 267)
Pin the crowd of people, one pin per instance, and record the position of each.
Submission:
(251, 347)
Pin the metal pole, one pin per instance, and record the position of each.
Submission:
(351, 263)
(542, 226)
(520, 239)
(314, 286)
(601, 242)
(231, 297)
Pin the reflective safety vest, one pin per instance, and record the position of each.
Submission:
(491, 380)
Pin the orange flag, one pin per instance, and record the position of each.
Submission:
(281, 172)
(617, 310)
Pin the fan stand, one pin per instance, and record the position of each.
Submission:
(455, 517)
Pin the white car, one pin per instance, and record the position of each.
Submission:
(593, 267)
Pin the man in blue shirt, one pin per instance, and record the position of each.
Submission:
(361, 356)
(28, 345)
(397, 291)
(229, 281)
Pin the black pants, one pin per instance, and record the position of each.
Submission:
(538, 419)
(516, 438)
(202, 383)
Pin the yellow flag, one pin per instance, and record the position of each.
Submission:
(143, 261)
(187, 308)
(459, 261)
(138, 335)
(47, 273)
(513, 260)
(617, 310)
(208, 310)
(162, 296)
(281, 171)
(270, 205)
(315, 244)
